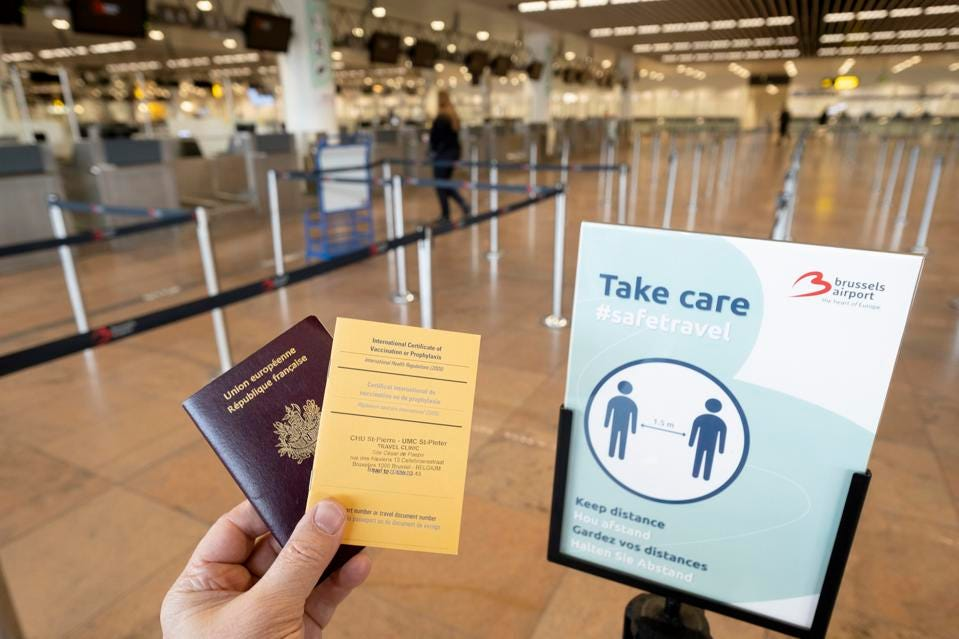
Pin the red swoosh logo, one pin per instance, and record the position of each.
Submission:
(816, 279)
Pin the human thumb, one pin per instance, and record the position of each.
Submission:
(307, 554)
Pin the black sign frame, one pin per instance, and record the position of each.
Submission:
(858, 486)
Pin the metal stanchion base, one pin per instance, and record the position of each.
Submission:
(555, 321)
(653, 617)
(493, 255)
(403, 298)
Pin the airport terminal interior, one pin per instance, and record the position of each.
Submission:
(154, 153)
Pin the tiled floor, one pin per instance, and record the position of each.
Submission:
(106, 485)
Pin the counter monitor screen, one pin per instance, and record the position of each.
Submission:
(267, 31)
(384, 48)
(501, 65)
(535, 70)
(11, 12)
(423, 54)
(109, 17)
(475, 62)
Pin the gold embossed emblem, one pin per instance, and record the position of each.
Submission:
(297, 431)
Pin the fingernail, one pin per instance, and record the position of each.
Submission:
(329, 516)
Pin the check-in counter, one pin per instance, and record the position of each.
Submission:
(275, 151)
(28, 175)
(124, 172)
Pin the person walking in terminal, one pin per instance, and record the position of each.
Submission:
(621, 415)
(239, 583)
(712, 431)
(445, 146)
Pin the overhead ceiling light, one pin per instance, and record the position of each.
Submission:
(791, 70)
(555, 5)
(451, 48)
(204, 5)
(437, 25)
(607, 63)
(16, 56)
(337, 55)
(378, 12)
(229, 43)
(570, 56)
(846, 66)
(61, 24)
(156, 34)
(438, 67)
(358, 32)
(482, 36)
(772, 89)
(845, 16)
(409, 41)
(906, 12)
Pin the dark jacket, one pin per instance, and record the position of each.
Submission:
(444, 140)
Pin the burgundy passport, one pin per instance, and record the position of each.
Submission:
(260, 418)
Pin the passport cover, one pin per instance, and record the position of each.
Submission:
(261, 417)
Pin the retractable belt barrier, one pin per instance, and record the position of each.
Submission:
(112, 332)
(55, 349)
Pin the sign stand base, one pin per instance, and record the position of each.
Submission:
(655, 617)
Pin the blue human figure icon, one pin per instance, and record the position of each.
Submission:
(621, 419)
(711, 431)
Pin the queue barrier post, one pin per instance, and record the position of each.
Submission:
(555, 319)
(899, 226)
(607, 171)
(533, 154)
(889, 192)
(494, 252)
(424, 266)
(670, 189)
(694, 189)
(403, 295)
(564, 163)
(474, 177)
(931, 192)
(275, 229)
(69, 268)
(213, 288)
(601, 176)
(621, 198)
(634, 173)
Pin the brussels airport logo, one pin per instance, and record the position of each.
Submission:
(839, 291)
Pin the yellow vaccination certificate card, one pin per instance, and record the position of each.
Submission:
(394, 434)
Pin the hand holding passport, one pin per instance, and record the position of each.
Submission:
(403, 400)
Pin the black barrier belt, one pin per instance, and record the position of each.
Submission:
(442, 228)
(508, 166)
(125, 211)
(88, 237)
(28, 357)
(307, 175)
